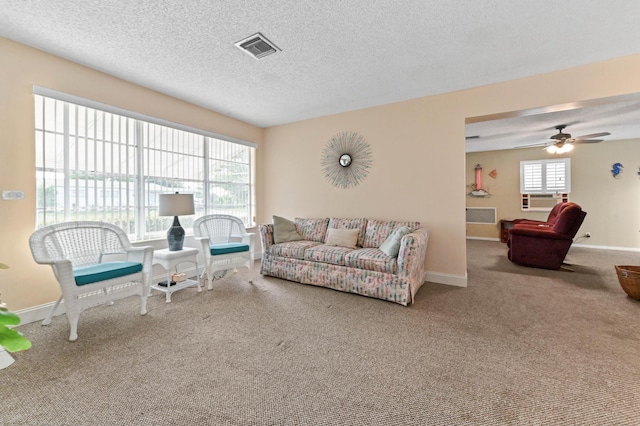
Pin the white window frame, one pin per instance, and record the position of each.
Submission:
(541, 176)
(206, 150)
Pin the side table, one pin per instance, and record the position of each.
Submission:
(505, 225)
(170, 260)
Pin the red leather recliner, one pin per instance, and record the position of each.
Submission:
(545, 247)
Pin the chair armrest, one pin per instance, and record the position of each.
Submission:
(537, 232)
(63, 271)
(527, 225)
(529, 222)
(205, 246)
(142, 254)
(250, 238)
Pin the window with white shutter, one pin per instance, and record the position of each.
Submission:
(556, 176)
(530, 177)
(545, 176)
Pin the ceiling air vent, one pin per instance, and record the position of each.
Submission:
(257, 46)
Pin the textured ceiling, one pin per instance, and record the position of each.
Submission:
(336, 55)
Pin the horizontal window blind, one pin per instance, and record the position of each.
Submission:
(93, 164)
(77, 100)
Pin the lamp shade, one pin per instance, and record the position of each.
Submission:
(176, 204)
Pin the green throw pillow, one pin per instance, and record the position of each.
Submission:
(284, 230)
(391, 246)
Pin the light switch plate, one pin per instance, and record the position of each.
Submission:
(13, 195)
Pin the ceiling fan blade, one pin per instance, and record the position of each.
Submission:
(587, 140)
(533, 145)
(594, 135)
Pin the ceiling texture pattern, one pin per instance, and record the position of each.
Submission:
(336, 55)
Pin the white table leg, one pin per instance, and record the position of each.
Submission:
(169, 286)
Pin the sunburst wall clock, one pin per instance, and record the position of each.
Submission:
(346, 159)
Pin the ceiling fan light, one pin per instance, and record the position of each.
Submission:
(552, 149)
(567, 147)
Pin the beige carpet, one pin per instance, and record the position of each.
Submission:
(519, 346)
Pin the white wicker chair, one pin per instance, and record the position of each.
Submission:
(225, 244)
(94, 263)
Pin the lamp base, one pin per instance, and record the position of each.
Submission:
(175, 235)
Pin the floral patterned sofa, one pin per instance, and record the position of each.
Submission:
(360, 266)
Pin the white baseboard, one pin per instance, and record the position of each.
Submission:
(38, 313)
(574, 244)
(634, 249)
(483, 238)
(448, 279)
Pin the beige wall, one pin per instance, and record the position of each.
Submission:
(410, 178)
(27, 284)
(419, 160)
(612, 204)
(418, 153)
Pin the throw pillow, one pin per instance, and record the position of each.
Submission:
(312, 229)
(357, 223)
(342, 237)
(284, 230)
(391, 246)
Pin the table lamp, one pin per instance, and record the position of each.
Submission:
(176, 205)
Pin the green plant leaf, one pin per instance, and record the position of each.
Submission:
(12, 340)
(8, 318)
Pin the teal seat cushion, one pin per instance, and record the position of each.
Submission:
(226, 248)
(105, 271)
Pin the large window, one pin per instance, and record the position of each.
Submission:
(95, 162)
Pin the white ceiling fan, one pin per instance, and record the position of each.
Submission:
(561, 142)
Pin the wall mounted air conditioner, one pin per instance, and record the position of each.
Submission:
(541, 202)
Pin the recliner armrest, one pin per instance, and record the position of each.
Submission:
(537, 232)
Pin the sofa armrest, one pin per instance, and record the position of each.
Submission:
(266, 236)
(413, 251)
